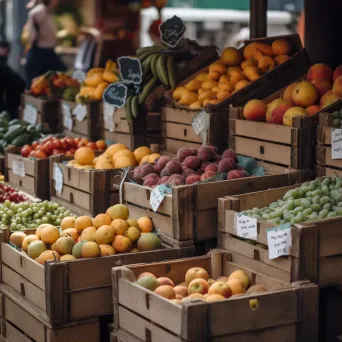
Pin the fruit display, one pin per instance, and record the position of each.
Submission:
(55, 83)
(321, 88)
(96, 82)
(8, 193)
(18, 133)
(84, 237)
(116, 156)
(190, 166)
(21, 216)
(233, 71)
(198, 286)
(55, 146)
(315, 200)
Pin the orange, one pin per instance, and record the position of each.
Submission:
(68, 222)
(111, 150)
(121, 244)
(91, 249)
(105, 234)
(83, 222)
(231, 56)
(67, 257)
(49, 234)
(88, 234)
(17, 238)
(124, 161)
(141, 152)
(120, 226)
(48, 256)
(118, 211)
(106, 250)
(84, 156)
(145, 224)
(72, 232)
(101, 220)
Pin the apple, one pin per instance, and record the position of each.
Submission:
(236, 286)
(222, 278)
(181, 290)
(146, 274)
(221, 288)
(198, 285)
(196, 272)
(214, 298)
(165, 291)
(165, 281)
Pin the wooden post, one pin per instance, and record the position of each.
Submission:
(258, 18)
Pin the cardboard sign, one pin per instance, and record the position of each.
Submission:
(201, 124)
(246, 227)
(58, 177)
(18, 168)
(172, 31)
(336, 143)
(115, 94)
(279, 240)
(30, 114)
(79, 75)
(80, 111)
(130, 70)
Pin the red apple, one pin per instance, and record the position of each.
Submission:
(196, 272)
(198, 285)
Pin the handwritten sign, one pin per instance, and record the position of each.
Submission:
(279, 241)
(108, 113)
(58, 177)
(157, 196)
(30, 114)
(79, 76)
(80, 111)
(115, 94)
(67, 116)
(246, 227)
(336, 143)
(18, 168)
(200, 125)
(130, 70)
(171, 31)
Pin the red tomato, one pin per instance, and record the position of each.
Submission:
(58, 151)
(47, 148)
(71, 142)
(64, 143)
(77, 140)
(85, 141)
(25, 151)
(40, 155)
(69, 153)
(92, 145)
(57, 145)
(73, 150)
(35, 144)
(32, 154)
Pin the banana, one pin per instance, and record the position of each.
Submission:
(154, 62)
(162, 70)
(171, 71)
(128, 110)
(135, 106)
(147, 89)
(146, 66)
(149, 49)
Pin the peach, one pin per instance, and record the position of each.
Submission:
(337, 87)
(225, 165)
(312, 110)
(234, 174)
(291, 113)
(194, 273)
(229, 153)
(181, 290)
(166, 281)
(182, 154)
(322, 85)
(214, 298)
(337, 72)
(198, 285)
(205, 154)
(328, 99)
(272, 105)
(144, 274)
(255, 110)
(222, 288)
(207, 175)
(287, 95)
(165, 291)
(191, 179)
(236, 286)
(211, 167)
(240, 275)
(321, 71)
(278, 114)
(304, 94)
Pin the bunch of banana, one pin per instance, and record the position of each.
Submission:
(132, 108)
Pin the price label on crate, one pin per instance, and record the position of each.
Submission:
(157, 196)
(30, 114)
(201, 124)
(58, 177)
(79, 75)
(246, 227)
(172, 31)
(108, 113)
(80, 111)
(336, 143)
(67, 116)
(279, 240)
(18, 168)
(130, 69)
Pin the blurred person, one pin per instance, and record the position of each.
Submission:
(41, 56)
(11, 84)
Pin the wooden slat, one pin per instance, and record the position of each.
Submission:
(173, 145)
(324, 157)
(182, 132)
(324, 135)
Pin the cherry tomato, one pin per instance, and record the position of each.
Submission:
(92, 145)
(57, 145)
(47, 148)
(40, 155)
(25, 151)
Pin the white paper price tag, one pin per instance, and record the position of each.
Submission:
(198, 124)
(156, 198)
(79, 75)
(246, 227)
(67, 116)
(80, 111)
(108, 113)
(30, 114)
(279, 241)
(336, 143)
(18, 168)
(58, 177)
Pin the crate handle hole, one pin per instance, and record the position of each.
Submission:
(21, 261)
(262, 150)
(148, 335)
(147, 301)
(22, 289)
(116, 125)
(256, 255)
(148, 194)
(185, 132)
(20, 183)
(71, 198)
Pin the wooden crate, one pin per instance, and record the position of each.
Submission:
(316, 252)
(85, 192)
(2, 166)
(48, 111)
(146, 129)
(123, 336)
(18, 325)
(189, 214)
(178, 131)
(64, 292)
(288, 312)
(89, 127)
(34, 180)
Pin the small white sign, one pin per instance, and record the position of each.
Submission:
(336, 143)
(108, 113)
(79, 75)
(58, 177)
(246, 227)
(66, 110)
(30, 114)
(198, 124)
(18, 168)
(80, 111)
(156, 198)
(279, 241)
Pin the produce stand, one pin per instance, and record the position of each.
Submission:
(36, 110)
(198, 321)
